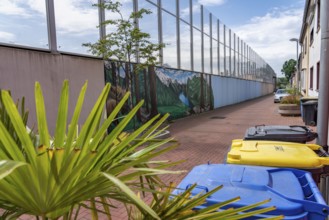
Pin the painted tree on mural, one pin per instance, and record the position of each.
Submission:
(128, 44)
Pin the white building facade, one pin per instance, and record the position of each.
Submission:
(310, 40)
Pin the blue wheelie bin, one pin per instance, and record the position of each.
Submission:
(293, 192)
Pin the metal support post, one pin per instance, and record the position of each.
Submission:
(211, 39)
(297, 64)
(238, 58)
(160, 37)
(101, 19)
(297, 61)
(136, 23)
(202, 41)
(244, 72)
(178, 35)
(229, 52)
(225, 73)
(51, 24)
(322, 120)
(191, 35)
(234, 57)
(218, 47)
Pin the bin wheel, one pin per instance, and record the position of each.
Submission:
(312, 123)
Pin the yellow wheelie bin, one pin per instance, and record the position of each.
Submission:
(278, 154)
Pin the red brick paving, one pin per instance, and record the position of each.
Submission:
(204, 139)
(207, 136)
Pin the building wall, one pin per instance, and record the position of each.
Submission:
(180, 93)
(304, 67)
(314, 53)
(229, 91)
(20, 68)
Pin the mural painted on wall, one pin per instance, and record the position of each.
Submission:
(115, 73)
(174, 91)
(141, 85)
(163, 91)
(179, 92)
(207, 93)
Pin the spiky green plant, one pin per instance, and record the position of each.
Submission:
(182, 207)
(5, 119)
(69, 168)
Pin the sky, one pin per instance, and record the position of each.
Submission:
(265, 25)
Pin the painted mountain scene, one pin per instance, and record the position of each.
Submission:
(178, 92)
(164, 91)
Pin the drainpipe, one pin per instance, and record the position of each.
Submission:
(322, 121)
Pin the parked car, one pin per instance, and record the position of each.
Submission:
(279, 94)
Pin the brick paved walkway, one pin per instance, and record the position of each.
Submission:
(207, 136)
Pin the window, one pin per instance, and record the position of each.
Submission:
(305, 45)
(302, 80)
(311, 36)
(319, 15)
(317, 75)
(311, 78)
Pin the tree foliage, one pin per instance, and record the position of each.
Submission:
(281, 82)
(288, 68)
(126, 42)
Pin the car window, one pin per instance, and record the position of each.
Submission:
(281, 91)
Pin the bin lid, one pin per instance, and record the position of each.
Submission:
(275, 129)
(292, 133)
(276, 153)
(306, 98)
(310, 103)
(293, 192)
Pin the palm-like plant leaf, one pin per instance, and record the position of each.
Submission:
(181, 207)
(8, 166)
(41, 116)
(62, 116)
(131, 195)
(67, 170)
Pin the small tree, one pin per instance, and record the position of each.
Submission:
(126, 43)
(282, 82)
(288, 69)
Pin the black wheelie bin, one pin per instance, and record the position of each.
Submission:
(292, 133)
(302, 101)
(310, 112)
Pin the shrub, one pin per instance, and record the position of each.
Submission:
(291, 99)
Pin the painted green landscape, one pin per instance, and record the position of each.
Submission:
(177, 92)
